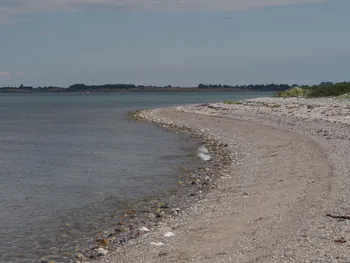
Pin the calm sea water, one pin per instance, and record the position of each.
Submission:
(68, 160)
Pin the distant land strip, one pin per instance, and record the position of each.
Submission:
(143, 88)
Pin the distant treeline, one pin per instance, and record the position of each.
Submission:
(142, 88)
(325, 89)
(259, 87)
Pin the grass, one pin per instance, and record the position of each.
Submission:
(134, 115)
(293, 92)
(345, 96)
(230, 102)
(340, 90)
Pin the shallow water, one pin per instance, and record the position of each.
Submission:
(69, 160)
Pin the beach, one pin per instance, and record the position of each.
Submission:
(280, 196)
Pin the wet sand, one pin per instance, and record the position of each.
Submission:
(282, 198)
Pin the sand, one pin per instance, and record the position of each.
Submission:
(278, 199)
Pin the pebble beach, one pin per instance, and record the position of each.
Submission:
(274, 188)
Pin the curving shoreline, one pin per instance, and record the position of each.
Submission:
(287, 174)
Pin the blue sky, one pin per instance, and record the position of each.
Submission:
(187, 42)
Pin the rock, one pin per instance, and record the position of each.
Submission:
(101, 252)
(202, 149)
(130, 212)
(151, 216)
(163, 205)
(197, 181)
(204, 157)
(174, 211)
(144, 229)
(169, 234)
(161, 214)
(104, 242)
(157, 244)
(80, 257)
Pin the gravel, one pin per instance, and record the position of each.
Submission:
(278, 198)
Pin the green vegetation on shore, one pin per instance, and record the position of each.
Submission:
(328, 89)
(134, 115)
(232, 102)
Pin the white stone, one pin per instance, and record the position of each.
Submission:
(144, 229)
(157, 244)
(204, 157)
(203, 149)
(101, 251)
(169, 234)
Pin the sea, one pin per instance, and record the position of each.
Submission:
(69, 160)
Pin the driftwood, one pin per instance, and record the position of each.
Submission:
(339, 217)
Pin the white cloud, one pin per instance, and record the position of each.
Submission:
(11, 8)
(19, 73)
(5, 74)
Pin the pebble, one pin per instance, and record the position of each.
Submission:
(151, 216)
(101, 252)
(144, 229)
(157, 244)
(169, 234)
(204, 157)
(203, 149)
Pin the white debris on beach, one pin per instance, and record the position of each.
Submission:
(144, 229)
(101, 251)
(203, 153)
(157, 244)
(169, 234)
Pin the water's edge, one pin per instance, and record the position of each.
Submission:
(195, 183)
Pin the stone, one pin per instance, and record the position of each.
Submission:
(169, 234)
(163, 205)
(151, 216)
(157, 244)
(161, 214)
(104, 242)
(101, 252)
(144, 229)
(80, 257)
(203, 149)
(174, 211)
(204, 157)
(130, 212)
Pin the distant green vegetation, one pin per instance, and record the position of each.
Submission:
(134, 115)
(232, 102)
(293, 92)
(344, 96)
(325, 89)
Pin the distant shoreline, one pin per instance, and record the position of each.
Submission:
(145, 88)
(135, 90)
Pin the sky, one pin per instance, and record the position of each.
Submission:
(173, 42)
